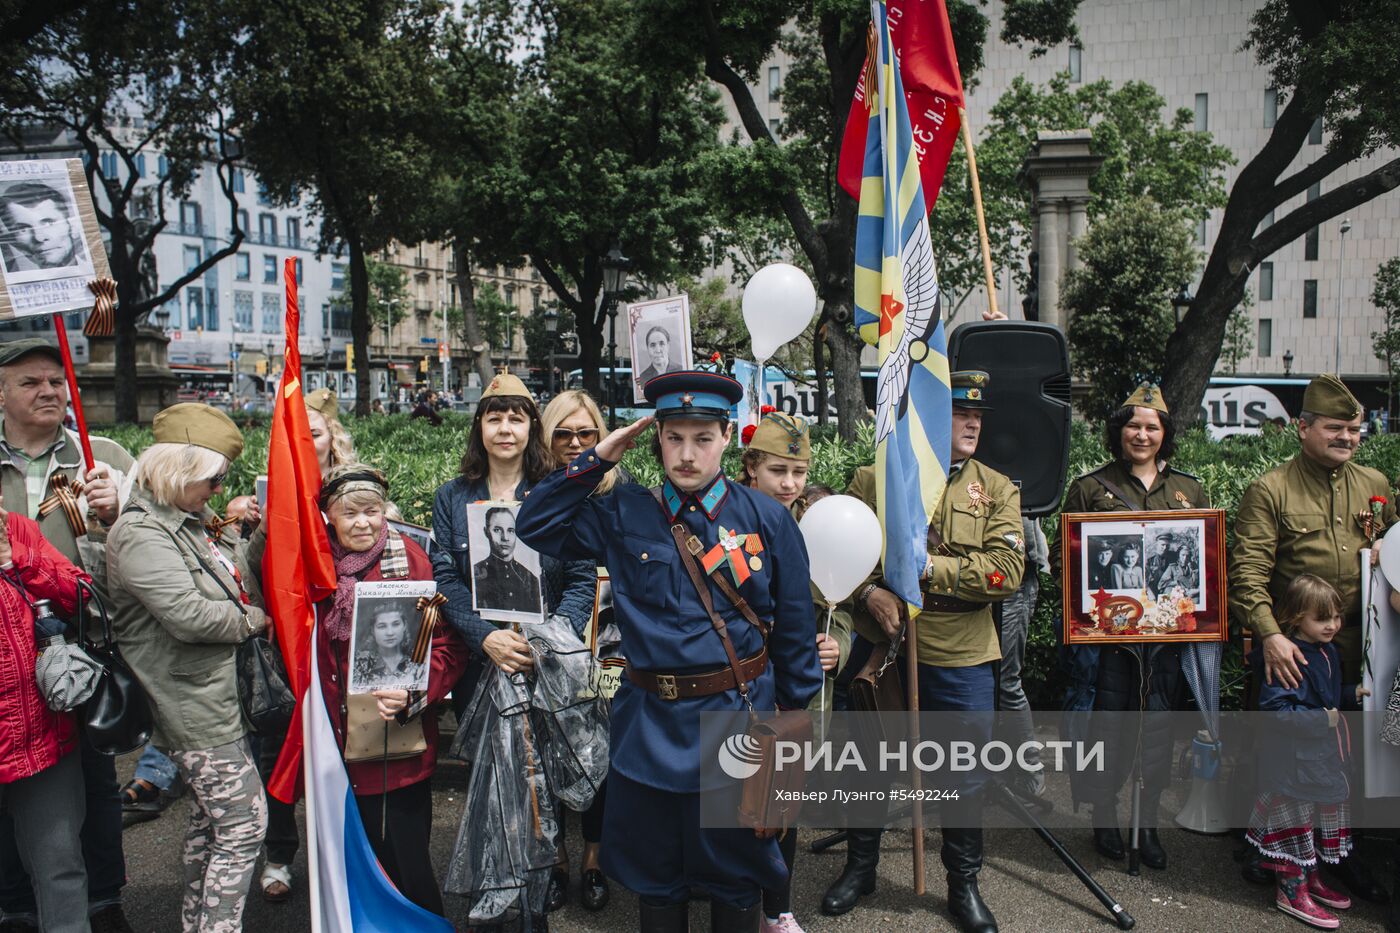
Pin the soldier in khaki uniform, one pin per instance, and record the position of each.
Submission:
(1311, 515)
(1142, 438)
(976, 558)
(41, 474)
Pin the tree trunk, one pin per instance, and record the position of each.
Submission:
(819, 364)
(125, 398)
(359, 321)
(477, 346)
(591, 356)
(851, 409)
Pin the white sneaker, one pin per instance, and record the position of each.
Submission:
(786, 923)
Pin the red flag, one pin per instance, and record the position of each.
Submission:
(928, 66)
(297, 568)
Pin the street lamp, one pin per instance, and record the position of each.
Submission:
(551, 327)
(615, 268)
(1341, 254)
(1181, 302)
(325, 359)
(1288, 362)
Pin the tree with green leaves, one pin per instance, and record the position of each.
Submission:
(1333, 62)
(789, 177)
(1120, 299)
(388, 294)
(1386, 343)
(339, 101)
(142, 80)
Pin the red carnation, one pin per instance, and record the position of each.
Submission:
(746, 435)
(1379, 499)
(766, 410)
(714, 357)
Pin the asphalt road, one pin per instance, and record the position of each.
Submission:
(1024, 883)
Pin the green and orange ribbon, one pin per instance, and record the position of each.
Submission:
(731, 550)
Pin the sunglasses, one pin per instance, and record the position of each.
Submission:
(217, 480)
(587, 437)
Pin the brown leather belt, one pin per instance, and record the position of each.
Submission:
(933, 602)
(703, 684)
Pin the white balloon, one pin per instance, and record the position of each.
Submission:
(843, 544)
(1390, 557)
(779, 302)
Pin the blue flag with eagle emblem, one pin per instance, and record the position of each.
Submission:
(897, 311)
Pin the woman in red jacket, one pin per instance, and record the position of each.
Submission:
(366, 549)
(41, 781)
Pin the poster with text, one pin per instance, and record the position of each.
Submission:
(50, 244)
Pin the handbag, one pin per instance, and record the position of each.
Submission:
(770, 798)
(876, 687)
(263, 690)
(117, 717)
(370, 738)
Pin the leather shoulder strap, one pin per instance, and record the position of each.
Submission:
(684, 544)
(724, 585)
(1114, 488)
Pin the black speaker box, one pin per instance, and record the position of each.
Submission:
(1026, 435)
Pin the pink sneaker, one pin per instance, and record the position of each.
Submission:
(786, 923)
(1324, 895)
(1293, 898)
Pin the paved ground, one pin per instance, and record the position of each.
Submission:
(1025, 884)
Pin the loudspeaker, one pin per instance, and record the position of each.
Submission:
(1026, 435)
(1205, 810)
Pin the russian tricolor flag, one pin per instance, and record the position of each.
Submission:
(349, 891)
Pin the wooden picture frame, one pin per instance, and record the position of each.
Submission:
(1143, 577)
(47, 272)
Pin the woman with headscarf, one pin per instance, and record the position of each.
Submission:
(365, 549)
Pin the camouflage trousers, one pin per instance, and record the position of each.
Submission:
(228, 818)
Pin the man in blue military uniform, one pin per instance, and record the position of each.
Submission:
(678, 668)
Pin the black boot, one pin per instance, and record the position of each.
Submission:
(1359, 880)
(962, 857)
(1150, 848)
(667, 918)
(858, 877)
(1107, 839)
(725, 918)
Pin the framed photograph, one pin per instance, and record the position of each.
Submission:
(660, 335)
(505, 572)
(390, 649)
(423, 537)
(50, 244)
(1144, 576)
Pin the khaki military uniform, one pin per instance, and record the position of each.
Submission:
(1303, 518)
(984, 563)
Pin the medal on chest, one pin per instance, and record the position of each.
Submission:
(737, 551)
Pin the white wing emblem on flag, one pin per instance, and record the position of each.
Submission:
(920, 320)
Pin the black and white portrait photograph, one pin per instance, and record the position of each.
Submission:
(1176, 558)
(660, 332)
(385, 634)
(423, 537)
(505, 572)
(50, 248)
(1113, 561)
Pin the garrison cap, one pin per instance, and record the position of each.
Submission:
(970, 389)
(15, 350)
(693, 394)
(1147, 396)
(506, 384)
(782, 435)
(1326, 395)
(324, 402)
(201, 425)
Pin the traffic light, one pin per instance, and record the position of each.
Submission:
(423, 365)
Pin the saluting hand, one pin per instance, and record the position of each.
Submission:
(1281, 660)
(612, 447)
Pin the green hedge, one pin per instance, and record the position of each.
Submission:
(419, 457)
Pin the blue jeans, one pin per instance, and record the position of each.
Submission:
(155, 768)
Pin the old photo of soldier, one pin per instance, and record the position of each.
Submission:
(505, 572)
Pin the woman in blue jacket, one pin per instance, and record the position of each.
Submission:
(1304, 749)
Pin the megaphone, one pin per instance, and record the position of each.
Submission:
(1205, 810)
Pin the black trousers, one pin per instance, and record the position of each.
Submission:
(404, 851)
(282, 839)
(592, 818)
(101, 837)
(778, 901)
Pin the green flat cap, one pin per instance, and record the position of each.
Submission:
(201, 425)
(507, 384)
(782, 435)
(970, 389)
(324, 402)
(15, 350)
(1328, 396)
(1147, 396)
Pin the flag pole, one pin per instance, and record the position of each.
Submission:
(911, 645)
(981, 217)
(73, 396)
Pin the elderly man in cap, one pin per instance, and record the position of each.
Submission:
(42, 476)
(976, 557)
(681, 667)
(1313, 514)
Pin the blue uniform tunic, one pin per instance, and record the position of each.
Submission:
(655, 742)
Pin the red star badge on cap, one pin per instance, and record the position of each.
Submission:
(687, 398)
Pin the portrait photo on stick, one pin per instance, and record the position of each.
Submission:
(386, 632)
(660, 334)
(505, 572)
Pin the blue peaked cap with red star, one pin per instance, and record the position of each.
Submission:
(693, 394)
